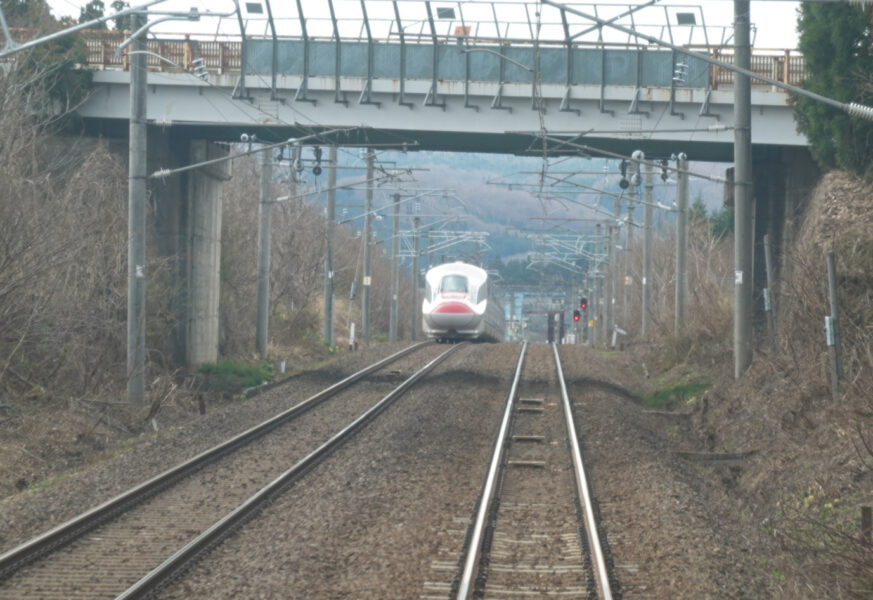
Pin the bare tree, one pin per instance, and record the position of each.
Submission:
(62, 252)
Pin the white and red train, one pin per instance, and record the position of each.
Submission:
(458, 305)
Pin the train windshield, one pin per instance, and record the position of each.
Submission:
(454, 284)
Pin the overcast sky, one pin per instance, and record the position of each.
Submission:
(775, 20)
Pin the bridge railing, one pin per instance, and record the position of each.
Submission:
(223, 54)
(787, 66)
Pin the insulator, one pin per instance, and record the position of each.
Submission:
(199, 65)
(859, 110)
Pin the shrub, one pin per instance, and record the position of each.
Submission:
(231, 376)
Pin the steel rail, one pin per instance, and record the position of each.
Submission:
(159, 576)
(17, 557)
(600, 575)
(474, 549)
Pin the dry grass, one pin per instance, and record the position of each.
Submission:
(820, 530)
(705, 337)
(814, 461)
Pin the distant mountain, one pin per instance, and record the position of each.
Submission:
(498, 194)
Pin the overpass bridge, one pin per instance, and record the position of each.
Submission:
(453, 84)
(434, 76)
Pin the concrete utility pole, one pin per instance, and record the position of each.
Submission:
(616, 261)
(626, 278)
(608, 281)
(589, 313)
(265, 210)
(136, 220)
(647, 250)
(681, 243)
(769, 300)
(416, 252)
(597, 301)
(368, 226)
(395, 270)
(328, 250)
(744, 207)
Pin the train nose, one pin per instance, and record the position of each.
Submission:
(453, 308)
(452, 315)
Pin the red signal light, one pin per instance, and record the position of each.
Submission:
(576, 315)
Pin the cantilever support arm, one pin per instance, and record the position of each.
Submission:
(274, 59)
(12, 47)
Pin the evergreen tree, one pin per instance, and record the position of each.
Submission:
(698, 210)
(722, 221)
(121, 23)
(48, 72)
(93, 10)
(28, 14)
(837, 43)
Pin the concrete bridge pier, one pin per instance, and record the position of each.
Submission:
(801, 175)
(782, 184)
(187, 215)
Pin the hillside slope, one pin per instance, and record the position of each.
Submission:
(813, 466)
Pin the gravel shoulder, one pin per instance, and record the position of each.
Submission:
(122, 461)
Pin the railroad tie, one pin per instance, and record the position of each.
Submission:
(536, 464)
(530, 405)
(537, 439)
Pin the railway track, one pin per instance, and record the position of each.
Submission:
(535, 532)
(120, 548)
